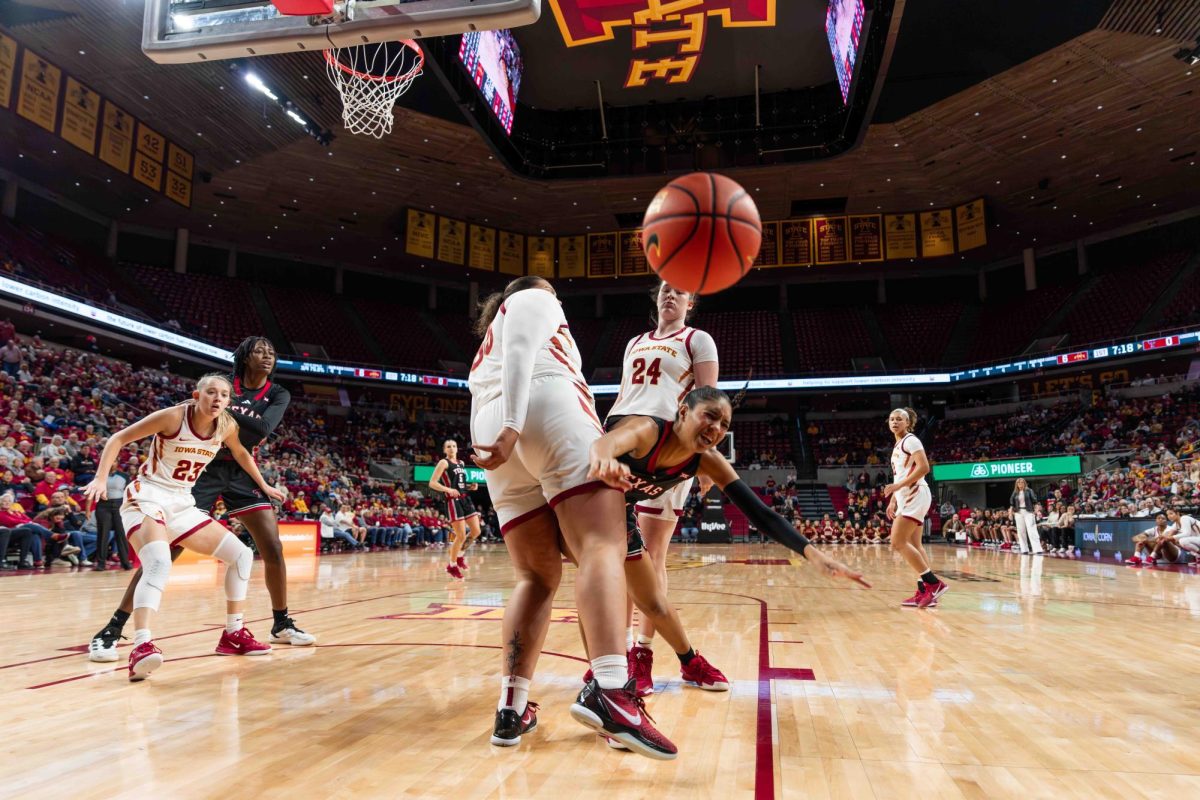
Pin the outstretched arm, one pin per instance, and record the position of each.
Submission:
(632, 435)
(166, 421)
(767, 520)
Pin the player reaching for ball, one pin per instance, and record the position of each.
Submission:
(160, 512)
(659, 368)
(450, 478)
(909, 503)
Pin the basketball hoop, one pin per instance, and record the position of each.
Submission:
(370, 78)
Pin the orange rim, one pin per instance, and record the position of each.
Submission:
(332, 60)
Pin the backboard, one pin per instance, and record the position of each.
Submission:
(181, 31)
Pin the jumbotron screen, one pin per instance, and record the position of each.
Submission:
(493, 60)
(843, 27)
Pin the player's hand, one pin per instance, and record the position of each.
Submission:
(611, 471)
(274, 494)
(891, 509)
(472, 487)
(453, 494)
(498, 452)
(890, 489)
(95, 492)
(833, 569)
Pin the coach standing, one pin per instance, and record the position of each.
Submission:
(1021, 504)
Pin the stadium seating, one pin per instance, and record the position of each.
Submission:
(403, 336)
(1006, 327)
(745, 340)
(317, 318)
(219, 309)
(918, 333)
(828, 338)
(1184, 308)
(1118, 299)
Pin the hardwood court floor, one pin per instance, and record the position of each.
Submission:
(1035, 678)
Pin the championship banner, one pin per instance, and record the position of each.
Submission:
(972, 225)
(512, 253)
(572, 256)
(418, 234)
(146, 170)
(796, 242)
(901, 235)
(179, 161)
(481, 253)
(602, 255)
(178, 188)
(768, 254)
(866, 238)
(830, 235)
(41, 81)
(116, 137)
(633, 255)
(452, 241)
(937, 233)
(541, 256)
(81, 116)
(8, 65)
(151, 142)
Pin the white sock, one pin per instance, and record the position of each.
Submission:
(233, 623)
(645, 641)
(611, 672)
(629, 639)
(141, 636)
(514, 693)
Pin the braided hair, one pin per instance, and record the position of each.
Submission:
(242, 354)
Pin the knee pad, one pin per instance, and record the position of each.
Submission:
(156, 569)
(238, 563)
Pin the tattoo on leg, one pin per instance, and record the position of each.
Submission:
(515, 650)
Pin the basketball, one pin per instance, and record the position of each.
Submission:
(701, 233)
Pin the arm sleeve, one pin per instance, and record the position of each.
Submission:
(764, 518)
(702, 347)
(531, 318)
(257, 429)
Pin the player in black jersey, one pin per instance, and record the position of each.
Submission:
(258, 404)
(646, 456)
(450, 478)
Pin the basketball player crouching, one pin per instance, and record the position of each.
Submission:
(159, 511)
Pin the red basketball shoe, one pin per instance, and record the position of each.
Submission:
(621, 715)
(1151, 561)
(454, 571)
(915, 600)
(144, 659)
(1133, 561)
(462, 563)
(241, 643)
(932, 593)
(704, 675)
(641, 669)
(509, 727)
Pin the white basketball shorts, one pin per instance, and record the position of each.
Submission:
(174, 508)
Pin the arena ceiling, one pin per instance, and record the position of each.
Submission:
(1067, 122)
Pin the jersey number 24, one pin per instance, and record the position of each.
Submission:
(646, 374)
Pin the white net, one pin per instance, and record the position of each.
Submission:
(370, 79)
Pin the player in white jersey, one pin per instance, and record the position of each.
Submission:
(160, 512)
(909, 504)
(1184, 533)
(660, 367)
(533, 422)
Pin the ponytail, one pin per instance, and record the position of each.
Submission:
(490, 306)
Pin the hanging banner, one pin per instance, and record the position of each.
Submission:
(179, 161)
(830, 235)
(796, 242)
(8, 66)
(146, 170)
(116, 137)
(572, 256)
(866, 238)
(482, 250)
(512, 253)
(972, 226)
(633, 256)
(901, 235)
(41, 82)
(937, 233)
(151, 142)
(418, 234)
(178, 188)
(452, 241)
(768, 254)
(81, 116)
(541, 256)
(602, 255)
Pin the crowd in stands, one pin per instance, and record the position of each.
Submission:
(58, 406)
